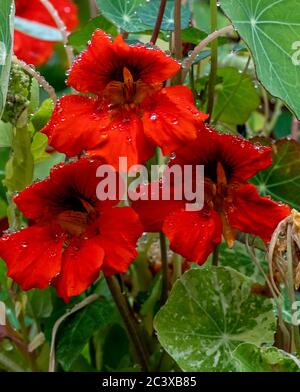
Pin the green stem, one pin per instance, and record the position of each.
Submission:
(215, 258)
(159, 20)
(129, 321)
(177, 40)
(214, 58)
(234, 91)
(164, 268)
(177, 267)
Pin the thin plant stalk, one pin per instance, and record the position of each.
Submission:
(164, 268)
(159, 20)
(214, 58)
(129, 322)
(61, 27)
(203, 44)
(177, 40)
(291, 289)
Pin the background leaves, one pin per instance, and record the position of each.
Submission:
(271, 28)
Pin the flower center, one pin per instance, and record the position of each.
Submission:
(216, 194)
(128, 93)
(75, 221)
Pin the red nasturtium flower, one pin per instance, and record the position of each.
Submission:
(231, 202)
(130, 112)
(73, 235)
(33, 50)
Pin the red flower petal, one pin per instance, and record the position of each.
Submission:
(125, 138)
(152, 213)
(81, 265)
(193, 235)
(36, 11)
(170, 118)
(32, 50)
(76, 124)
(252, 213)
(91, 74)
(120, 229)
(243, 158)
(33, 256)
(44, 199)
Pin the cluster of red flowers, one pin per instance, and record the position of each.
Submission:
(72, 235)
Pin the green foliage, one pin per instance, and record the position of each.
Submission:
(282, 178)
(235, 90)
(239, 259)
(250, 358)
(123, 14)
(19, 168)
(208, 314)
(148, 15)
(79, 38)
(202, 18)
(6, 44)
(271, 29)
(18, 95)
(79, 328)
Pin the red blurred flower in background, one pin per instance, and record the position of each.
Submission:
(73, 235)
(131, 110)
(231, 202)
(33, 50)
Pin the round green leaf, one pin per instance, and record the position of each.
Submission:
(250, 358)
(234, 91)
(148, 15)
(282, 179)
(271, 28)
(208, 314)
(123, 13)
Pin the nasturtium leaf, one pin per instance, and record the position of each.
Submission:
(271, 29)
(209, 313)
(250, 358)
(37, 30)
(123, 13)
(79, 328)
(202, 16)
(7, 10)
(239, 259)
(39, 303)
(79, 38)
(193, 35)
(236, 97)
(282, 179)
(148, 15)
